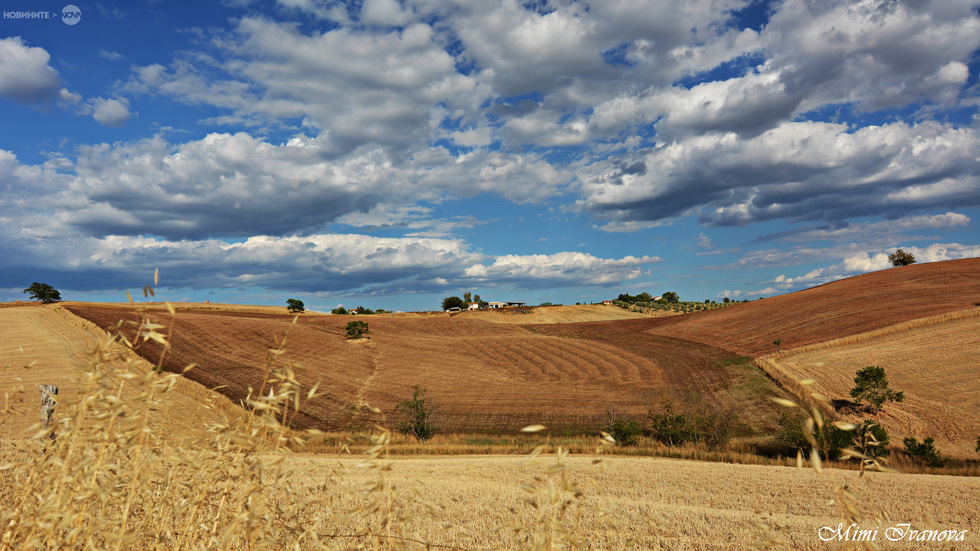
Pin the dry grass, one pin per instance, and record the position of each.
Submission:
(935, 361)
(657, 503)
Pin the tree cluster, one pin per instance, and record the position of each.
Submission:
(360, 310)
(463, 303)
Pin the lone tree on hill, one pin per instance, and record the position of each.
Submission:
(43, 292)
(294, 305)
(357, 329)
(670, 297)
(871, 386)
(901, 258)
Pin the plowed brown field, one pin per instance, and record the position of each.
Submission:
(489, 376)
(558, 314)
(484, 376)
(854, 305)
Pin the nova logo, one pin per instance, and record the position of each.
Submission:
(71, 15)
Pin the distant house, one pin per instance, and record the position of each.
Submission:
(453, 309)
(657, 298)
(609, 302)
(473, 306)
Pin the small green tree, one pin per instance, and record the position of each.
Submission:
(43, 292)
(871, 386)
(357, 329)
(901, 258)
(340, 311)
(779, 344)
(670, 297)
(452, 302)
(416, 415)
(294, 305)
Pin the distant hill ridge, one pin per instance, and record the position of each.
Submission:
(833, 310)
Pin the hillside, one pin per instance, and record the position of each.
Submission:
(557, 314)
(498, 371)
(853, 305)
(484, 376)
(937, 365)
(47, 345)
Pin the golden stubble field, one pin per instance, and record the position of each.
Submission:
(936, 366)
(46, 345)
(478, 502)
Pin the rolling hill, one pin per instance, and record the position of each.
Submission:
(568, 367)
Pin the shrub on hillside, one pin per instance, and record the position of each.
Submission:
(829, 440)
(871, 386)
(416, 415)
(626, 432)
(871, 439)
(925, 451)
(357, 329)
(901, 258)
(695, 420)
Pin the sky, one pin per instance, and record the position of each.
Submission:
(389, 153)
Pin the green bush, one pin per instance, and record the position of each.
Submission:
(925, 452)
(357, 329)
(416, 415)
(697, 421)
(830, 440)
(872, 439)
(626, 432)
(43, 292)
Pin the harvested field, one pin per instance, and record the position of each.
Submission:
(661, 504)
(58, 346)
(484, 376)
(834, 310)
(937, 366)
(558, 314)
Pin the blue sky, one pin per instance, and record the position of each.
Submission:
(389, 153)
